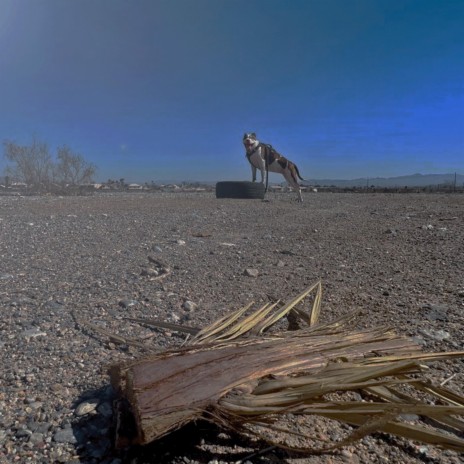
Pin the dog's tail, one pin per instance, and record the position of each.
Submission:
(298, 172)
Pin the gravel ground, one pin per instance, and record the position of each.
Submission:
(398, 257)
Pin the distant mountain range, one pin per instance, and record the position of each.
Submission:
(415, 180)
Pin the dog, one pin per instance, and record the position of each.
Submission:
(263, 157)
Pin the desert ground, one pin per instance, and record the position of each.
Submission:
(398, 257)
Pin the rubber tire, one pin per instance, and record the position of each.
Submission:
(240, 189)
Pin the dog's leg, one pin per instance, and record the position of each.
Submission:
(262, 165)
(253, 173)
(290, 178)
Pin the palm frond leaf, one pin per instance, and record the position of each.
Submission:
(234, 376)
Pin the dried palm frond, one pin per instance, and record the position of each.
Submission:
(231, 374)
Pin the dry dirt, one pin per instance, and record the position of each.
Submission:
(399, 257)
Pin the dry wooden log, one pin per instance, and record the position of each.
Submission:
(170, 389)
(232, 376)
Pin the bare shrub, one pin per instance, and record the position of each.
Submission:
(31, 164)
(72, 168)
(34, 165)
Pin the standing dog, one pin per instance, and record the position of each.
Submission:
(263, 157)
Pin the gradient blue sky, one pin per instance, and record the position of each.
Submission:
(165, 89)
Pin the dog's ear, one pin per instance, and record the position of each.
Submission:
(253, 134)
(245, 136)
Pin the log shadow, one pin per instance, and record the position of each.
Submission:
(197, 442)
(202, 442)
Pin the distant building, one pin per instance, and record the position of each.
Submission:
(135, 187)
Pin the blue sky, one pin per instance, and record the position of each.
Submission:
(165, 89)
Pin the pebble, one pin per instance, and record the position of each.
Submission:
(127, 303)
(33, 333)
(189, 305)
(150, 272)
(65, 436)
(6, 276)
(105, 409)
(87, 407)
(36, 438)
(40, 427)
(435, 312)
(251, 272)
(438, 335)
(391, 232)
(23, 433)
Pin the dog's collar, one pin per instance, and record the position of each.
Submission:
(249, 154)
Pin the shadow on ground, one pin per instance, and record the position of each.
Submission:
(200, 442)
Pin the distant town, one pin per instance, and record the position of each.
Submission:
(401, 184)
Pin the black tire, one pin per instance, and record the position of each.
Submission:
(240, 189)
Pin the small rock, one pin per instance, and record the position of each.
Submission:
(180, 242)
(189, 305)
(54, 306)
(36, 438)
(65, 436)
(423, 450)
(127, 303)
(346, 455)
(419, 340)
(87, 407)
(34, 405)
(438, 335)
(105, 409)
(288, 252)
(100, 449)
(33, 333)
(185, 318)
(251, 272)
(280, 264)
(39, 427)
(150, 272)
(24, 433)
(435, 312)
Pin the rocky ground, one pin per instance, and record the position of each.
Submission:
(398, 257)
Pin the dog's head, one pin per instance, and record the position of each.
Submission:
(249, 140)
